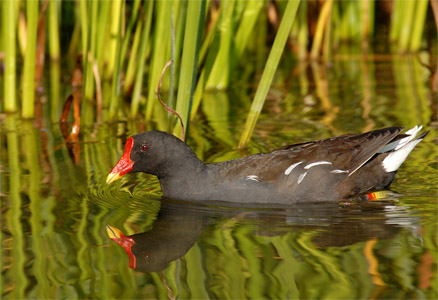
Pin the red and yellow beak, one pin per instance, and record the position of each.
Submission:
(126, 242)
(124, 165)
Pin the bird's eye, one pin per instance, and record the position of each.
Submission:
(144, 148)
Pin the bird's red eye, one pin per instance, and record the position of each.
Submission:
(144, 148)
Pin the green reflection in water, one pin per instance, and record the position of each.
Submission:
(18, 280)
(54, 211)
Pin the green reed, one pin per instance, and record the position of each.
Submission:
(302, 33)
(145, 38)
(29, 60)
(323, 21)
(129, 27)
(407, 24)
(133, 58)
(54, 45)
(160, 52)
(102, 33)
(114, 37)
(172, 58)
(418, 26)
(368, 19)
(116, 33)
(220, 72)
(55, 68)
(269, 71)
(130, 42)
(192, 41)
(84, 27)
(9, 33)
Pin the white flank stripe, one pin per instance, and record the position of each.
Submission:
(301, 177)
(337, 171)
(317, 164)
(253, 177)
(394, 159)
(288, 170)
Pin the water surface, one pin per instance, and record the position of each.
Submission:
(56, 205)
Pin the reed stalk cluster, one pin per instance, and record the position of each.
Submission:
(125, 45)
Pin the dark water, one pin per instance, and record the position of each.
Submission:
(55, 205)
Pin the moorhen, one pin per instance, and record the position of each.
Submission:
(173, 233)
(326, 170)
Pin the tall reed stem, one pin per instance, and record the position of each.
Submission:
(269, 71)
(321, 25)
(135, 102)
(133, 62)
(219, 75)
(303, 33)
(160, 53)
(406, 27)
(420, 21)
(102, 33)
(192, 44)
(9, 24)
(90, 55)
(29, 60)
(53, 31)
(115, 88)
(84, 27)
(116, 13)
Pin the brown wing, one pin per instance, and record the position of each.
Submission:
(368, 144)
(347, 152)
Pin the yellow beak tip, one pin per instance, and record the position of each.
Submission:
(112, 177)
(113, 232)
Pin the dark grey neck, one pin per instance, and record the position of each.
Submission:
(182, 173)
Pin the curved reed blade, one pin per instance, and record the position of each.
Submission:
(269, 71)
(167, 108)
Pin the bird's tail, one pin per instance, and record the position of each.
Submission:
(400, 148)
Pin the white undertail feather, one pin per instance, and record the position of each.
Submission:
(402, 142)
(401, 150)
